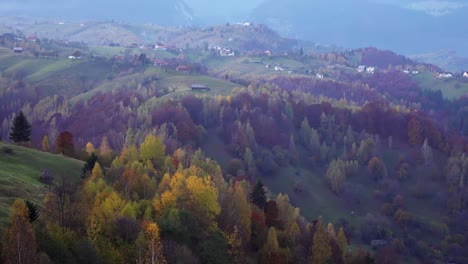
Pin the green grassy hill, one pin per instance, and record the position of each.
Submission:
(451, 88)
(20, 171)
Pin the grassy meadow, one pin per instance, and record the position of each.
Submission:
(20, 171)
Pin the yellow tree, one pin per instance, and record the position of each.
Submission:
(342, 242)
(105, 151)
(203, 198)
(336, 175)
(128, 155)
(270, 250)
(19, 245)
(45, 144)
(321, 249)
(236, 250)
(154, 255)
(244, 213)
(90, 148)
(97, 172)
(152, 150)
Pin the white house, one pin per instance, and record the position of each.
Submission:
(18, 50)
(445, 75)
(370, 70)
(278, 68)
(465, 74)
(319, 76)
(361, 68)
(226, 53)
(160, 46)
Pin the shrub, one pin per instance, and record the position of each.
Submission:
(8, 150)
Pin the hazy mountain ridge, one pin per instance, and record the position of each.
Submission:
(175, 12)
(354, 24)
(236, 37)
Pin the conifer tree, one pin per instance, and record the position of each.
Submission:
(258, 195)
(89, 165)
(20, 129)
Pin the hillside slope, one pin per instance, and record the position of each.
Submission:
(20, 170)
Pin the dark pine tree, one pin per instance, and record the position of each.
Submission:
(20, 129)
(89, 166)
(33, 211)
(258, 195)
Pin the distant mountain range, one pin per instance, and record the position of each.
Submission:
(406, 28)
(174, 12)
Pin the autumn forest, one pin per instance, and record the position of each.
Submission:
(323, 164)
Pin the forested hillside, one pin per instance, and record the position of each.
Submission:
(262, 156)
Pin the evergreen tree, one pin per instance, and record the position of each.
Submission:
(20, 129)
(33, 211)
(258, 195)
(89, 165)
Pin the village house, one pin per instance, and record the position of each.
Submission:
(226, 53)
(465, 74)
(160, 63)
(200, 87)
(268, 52)
(183, 68)
(319, 76)
(444, 75)
(278, 68)
(160, 46)
(18, 50)
(361, 68)
(370, 70)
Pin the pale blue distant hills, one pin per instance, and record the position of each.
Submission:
(405, 26)
(399, 27)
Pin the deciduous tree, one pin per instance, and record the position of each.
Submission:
(414, 132)
(336, 175)
(342, 242)
(152, 150)
(321, 249)
(65, 144)
(45, 143)
(154, 254)
(19, 244)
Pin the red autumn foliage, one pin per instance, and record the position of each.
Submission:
(64, 144)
